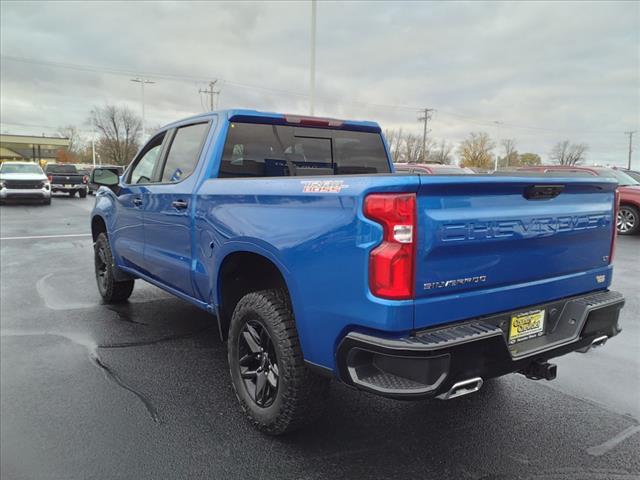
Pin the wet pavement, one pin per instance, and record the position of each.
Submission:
(142, 390)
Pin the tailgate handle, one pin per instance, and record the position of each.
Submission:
(542, 192)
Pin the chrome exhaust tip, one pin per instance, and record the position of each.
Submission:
(595, 343)
(465, 387)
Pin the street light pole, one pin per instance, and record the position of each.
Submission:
(312, 85)
(142, 81)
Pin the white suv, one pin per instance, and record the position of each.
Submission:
(24, 180)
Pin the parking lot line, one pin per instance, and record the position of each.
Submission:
(38, 237)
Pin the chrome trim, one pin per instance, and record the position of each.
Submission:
(465, 387)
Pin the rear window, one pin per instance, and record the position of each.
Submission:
(254, 150)
(56, 168)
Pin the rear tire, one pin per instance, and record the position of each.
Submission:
(628, 221)
(110, 290)
(72, 193)
(263, 349)
(47, 201)
(82, 193)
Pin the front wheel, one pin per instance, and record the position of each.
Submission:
(110, 290)
(72, 193)
(628, 221)
(274, 386)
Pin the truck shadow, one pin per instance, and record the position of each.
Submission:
(169, 354)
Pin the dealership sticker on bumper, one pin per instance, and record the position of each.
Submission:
(526, 325)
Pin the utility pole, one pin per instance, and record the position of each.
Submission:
(93, 152)
(312, 73)
(142, 81)
(425, 118)
(630, 147)
(211, 92)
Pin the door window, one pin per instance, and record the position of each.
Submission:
(145, 167)
(184, 152)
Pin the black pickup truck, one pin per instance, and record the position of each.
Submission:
(66, 178)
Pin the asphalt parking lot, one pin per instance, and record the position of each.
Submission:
(142, 391)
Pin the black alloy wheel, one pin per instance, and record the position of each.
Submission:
(258, 363)
(101, 266)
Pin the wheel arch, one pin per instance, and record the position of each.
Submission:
(244, 271)
(98, 226)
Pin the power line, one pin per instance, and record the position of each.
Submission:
(171, 76)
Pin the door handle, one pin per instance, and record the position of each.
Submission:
(179, 204)
(137, 202)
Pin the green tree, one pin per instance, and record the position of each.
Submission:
(476, 151)
(526, 159)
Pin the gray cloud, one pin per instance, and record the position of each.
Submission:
(547, 71)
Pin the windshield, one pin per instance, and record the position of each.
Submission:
(623, 179)
(56, 168)
(20, 168)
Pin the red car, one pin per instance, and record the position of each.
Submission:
(628, 221)
(431, 168)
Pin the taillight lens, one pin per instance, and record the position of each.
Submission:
(391, 264)
(614, 236)
(50, 178)
(85, 179)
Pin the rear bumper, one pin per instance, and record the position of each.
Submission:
(430, 362)
(68, 188)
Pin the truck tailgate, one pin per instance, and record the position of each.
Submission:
(488, 244)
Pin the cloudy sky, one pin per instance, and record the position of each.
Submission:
(536, 72)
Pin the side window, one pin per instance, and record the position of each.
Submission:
(184, 152)
(143, 170)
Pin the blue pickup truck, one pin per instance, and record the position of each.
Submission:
(319, 261)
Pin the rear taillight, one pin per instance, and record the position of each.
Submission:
(50, 178)
(614, 235)
(391, 263)
(85, 179)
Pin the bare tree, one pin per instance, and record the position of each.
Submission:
(71, 132)
(442, 154)
(565, 153)
(394, 142)
(119, 130)
(476, 151)
(411, 148)
(510, 153)
(73, 153)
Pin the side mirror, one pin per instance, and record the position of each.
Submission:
(108, 177)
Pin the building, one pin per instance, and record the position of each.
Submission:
(32, 148)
